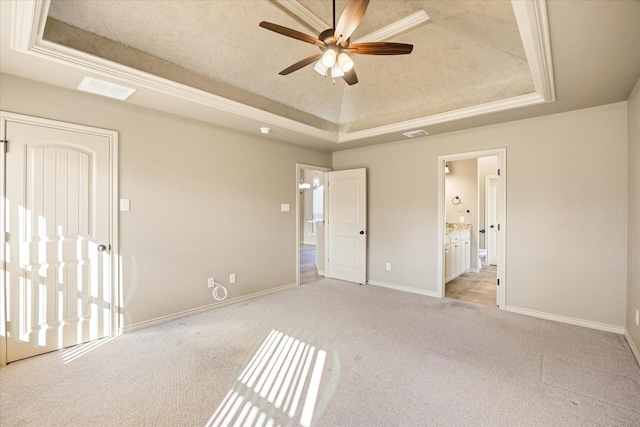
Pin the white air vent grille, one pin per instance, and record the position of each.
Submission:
(103, 88)
(416, 133)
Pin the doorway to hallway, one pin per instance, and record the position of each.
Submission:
(308, 267)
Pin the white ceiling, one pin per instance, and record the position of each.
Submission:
(473, 63)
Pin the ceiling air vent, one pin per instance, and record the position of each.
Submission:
(100, 87)
(416, 133)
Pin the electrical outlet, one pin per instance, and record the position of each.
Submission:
(210, 282)
(637, 317)
(232, 278)
(388, 266)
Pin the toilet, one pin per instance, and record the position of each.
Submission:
(482, 255)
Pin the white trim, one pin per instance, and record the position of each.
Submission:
(501, 153)
(401, 25)
(403, 288)
(462, 113)
(305, 15)
(633, 347)
(533, 24)
(191, 312)
(130, 76)
(568, 320)
(112, 136)
(28, 19)
(3, 246)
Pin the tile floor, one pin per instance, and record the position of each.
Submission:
(308, 270)
(474, 287)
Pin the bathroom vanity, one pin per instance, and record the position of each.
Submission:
(457, 253)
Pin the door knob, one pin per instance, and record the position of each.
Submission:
(103, 248)
(362, 231)
(492, 226)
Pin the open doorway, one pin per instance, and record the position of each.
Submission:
(472, 227)
(310, 223)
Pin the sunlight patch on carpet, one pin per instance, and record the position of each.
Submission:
(75, 352)
(280, 384)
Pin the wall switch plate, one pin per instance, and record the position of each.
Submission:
(232, 278)
(388, 266)
(284, 207)
(125, 205)
(210, 282)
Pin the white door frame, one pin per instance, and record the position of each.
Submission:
(299, 168)
(487, 183)
(112, 136)
(501, 153)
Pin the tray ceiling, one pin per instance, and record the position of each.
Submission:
(466, 54)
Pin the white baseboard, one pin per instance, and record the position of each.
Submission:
(191, 312)
(404, 288)
(569, 320)
(634, 349)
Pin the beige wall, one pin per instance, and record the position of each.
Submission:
(205, 201)
(633, 264)
(566, 210)
(462, 181)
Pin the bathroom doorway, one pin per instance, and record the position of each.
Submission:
(472, 225)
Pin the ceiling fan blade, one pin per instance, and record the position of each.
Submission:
(300, 64)
(350, 77)
(291, 33)
(379, 48)
(349, 20)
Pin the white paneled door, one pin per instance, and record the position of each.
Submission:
(58, 250)
(347, 241)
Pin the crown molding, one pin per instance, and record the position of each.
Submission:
(405, 24)
(305, 15)
(533, 24)
(462, 113)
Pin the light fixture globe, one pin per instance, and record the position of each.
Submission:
(346, 63)
(329, 58)
(321, 68)
(336, 71)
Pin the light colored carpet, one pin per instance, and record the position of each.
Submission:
(332, 353)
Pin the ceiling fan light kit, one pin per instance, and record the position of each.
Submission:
(335, 45)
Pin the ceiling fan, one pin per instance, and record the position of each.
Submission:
(335, 48)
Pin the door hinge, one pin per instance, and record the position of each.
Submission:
(498, 172)
(498, 227)
(498, 282)
(5, 144)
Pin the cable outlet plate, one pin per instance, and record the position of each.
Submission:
(211, 282)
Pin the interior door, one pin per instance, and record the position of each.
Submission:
(347, 237)
(58, 267)
(492, 219)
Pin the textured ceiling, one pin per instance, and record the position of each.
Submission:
(469, 53)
